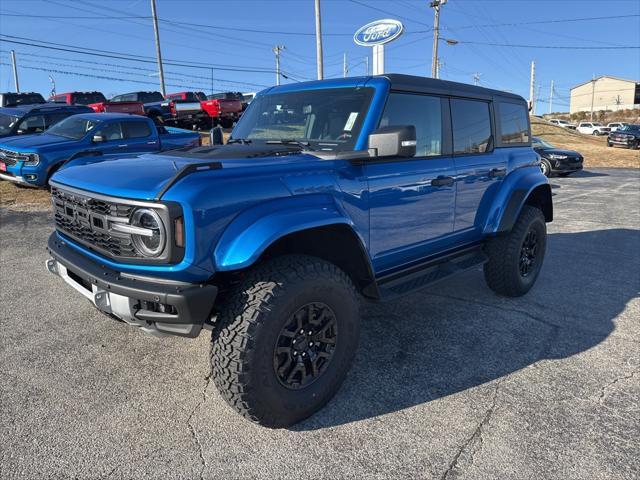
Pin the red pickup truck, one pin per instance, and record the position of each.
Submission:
(224, 108)
(98, 102)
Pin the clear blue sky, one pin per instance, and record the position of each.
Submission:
(267, 21)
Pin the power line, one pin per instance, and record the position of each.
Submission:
(394, 14)
(126, 56)
(559, 47)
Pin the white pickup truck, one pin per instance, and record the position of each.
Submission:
(562, 123)
(593, 128)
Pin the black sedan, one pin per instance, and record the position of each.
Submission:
(555, 160)
(625, 136)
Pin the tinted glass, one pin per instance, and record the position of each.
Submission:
(74, 127)
(59, 99)
(111, 132)
(329, 119)
(53, 118)
(87, 98)
(148, 97)
(32, 124)
(514, 123)
(421, 111)
(136, 129)
(13, 99)
(471, 126)
(7, 122)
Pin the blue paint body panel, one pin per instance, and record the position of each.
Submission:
(233, 213)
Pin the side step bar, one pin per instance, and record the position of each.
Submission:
(401, 283)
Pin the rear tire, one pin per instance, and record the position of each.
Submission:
(285, 340)
(515, 259)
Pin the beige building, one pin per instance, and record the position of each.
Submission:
(605, 93)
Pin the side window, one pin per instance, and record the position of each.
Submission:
(422, 111)
(117, 98)
(471, 124)
(60, 99)
(53, 118)
(136, 129)
(111, 132)
(514, 123)
(32, 124)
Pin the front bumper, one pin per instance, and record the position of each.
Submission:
(15, 179)
(156, 306)
(622, 143)
(568, 165)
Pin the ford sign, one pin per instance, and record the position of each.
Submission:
(378, 32)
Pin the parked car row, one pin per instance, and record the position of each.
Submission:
(81, 138)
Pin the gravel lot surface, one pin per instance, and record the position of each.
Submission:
(452, 382)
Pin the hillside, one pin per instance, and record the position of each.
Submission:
(593, 149)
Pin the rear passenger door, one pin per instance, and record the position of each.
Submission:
(138, 137)
(412, 200)
(479, 169)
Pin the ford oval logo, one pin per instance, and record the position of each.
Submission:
(378, 32)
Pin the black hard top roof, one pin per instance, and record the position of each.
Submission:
(414, 83)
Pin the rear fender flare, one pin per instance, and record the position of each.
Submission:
(520, 187)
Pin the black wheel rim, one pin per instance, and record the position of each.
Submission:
(528, 253)
(305, 346)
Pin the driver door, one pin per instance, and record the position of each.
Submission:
(412, 200)
(114, 141)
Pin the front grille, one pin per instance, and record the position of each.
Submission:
(87, 220)
(9, 157)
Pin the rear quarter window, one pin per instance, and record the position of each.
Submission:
(514, 123)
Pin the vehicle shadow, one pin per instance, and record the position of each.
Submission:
(586, 174)
(458, 334)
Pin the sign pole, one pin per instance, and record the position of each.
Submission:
(378, 59)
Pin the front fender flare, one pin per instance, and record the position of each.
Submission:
(254, 230)
(517, 187)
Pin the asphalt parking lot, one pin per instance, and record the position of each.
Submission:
(452, 382)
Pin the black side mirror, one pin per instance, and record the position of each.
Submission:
(394, 141)
(216, 137)
(98, 138)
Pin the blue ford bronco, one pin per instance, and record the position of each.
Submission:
(326, 193)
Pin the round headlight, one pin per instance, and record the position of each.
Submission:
(152, 243)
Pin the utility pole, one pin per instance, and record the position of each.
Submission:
(366, 65)
(53, 86)
(345, 69)
(158, 54)
(277, 49)
(593, 92)
(476, 78)
(532, 82)
(551, 97)
(15, 71)
(319, 42)
(436, 5)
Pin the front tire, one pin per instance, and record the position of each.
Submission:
(515, 259)
(285, 340)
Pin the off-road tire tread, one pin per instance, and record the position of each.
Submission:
(240, 320)
(503, 249)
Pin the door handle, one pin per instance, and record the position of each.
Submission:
(122, 146)
(497, 172)
(442, 181)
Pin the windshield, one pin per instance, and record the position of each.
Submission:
(73, 127)
(629, 128)
(329, 118)
(13, 99)
(596, 124)
(149, 97)
(88, 98)
(540, 143)
(7, 123)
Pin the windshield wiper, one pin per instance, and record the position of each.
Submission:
(244, 141)
(299, 143)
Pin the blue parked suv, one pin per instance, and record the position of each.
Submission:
(327, 193)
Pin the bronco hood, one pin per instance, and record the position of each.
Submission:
(145, 176)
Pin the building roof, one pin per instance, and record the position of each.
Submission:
(606, 76)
